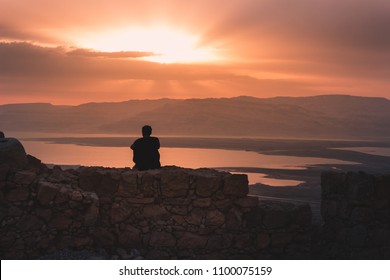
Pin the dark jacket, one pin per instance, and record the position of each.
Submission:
(145, 153)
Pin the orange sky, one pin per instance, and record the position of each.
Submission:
(71, 52)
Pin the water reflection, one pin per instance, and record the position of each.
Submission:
(69, 154)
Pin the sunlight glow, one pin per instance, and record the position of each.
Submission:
(168, 45)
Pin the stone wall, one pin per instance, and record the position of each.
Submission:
(167, 213)
(356, 214)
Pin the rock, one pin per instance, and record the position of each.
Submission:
(162, 239)
(281, 239)
(128, 184)
(202, 202)
(120, 212)
(207, 186)
(174, 184)
(195, 217)
(144, 200)
(46, 192)
(18, 194)
(29, 223)
(236, 185)
(130, 237)
(219, 242)
(263, 240)
(155, 212)
(34, 162)
(4, 168)
(24, 178)
(214, 218)
(245, 241)
(192, 241)
(60, 222)
(76, 196)
(12, 153)
(234, 219)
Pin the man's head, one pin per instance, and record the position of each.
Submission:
(146, 130)
(2, 134)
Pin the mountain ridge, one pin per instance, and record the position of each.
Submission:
(329, 116)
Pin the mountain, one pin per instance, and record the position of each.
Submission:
(326, 116)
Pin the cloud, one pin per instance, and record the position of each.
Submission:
(91, 53)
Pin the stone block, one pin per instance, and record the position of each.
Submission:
(234, 219)
(192, 241)
(195, 217)
(174, 184)
(4, 169)
(128, 184)
(29, 223)
(155, 212)
(236, 185)
(219, 242)
(162, 239)
(24, 178)
(120, 211)
(130, 237)
(18, 194)
(207, 186)
(46, 192)
(214, 218)
(245, 241)
(281, 239)
(202, 202)
(263, 240)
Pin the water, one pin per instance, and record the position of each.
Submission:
(70, 154)
(377, 151)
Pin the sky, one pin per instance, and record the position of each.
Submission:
(72, 52)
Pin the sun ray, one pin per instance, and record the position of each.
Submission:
(167, 45)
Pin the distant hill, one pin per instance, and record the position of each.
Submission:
(326, 116)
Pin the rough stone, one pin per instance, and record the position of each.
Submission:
(192, 241)
(18, 194)
(155, 212)
(281, 238)
(46, 192)
(236, 185)
(12, 153)
(195, 217)
(263, 240)
(207, 186)
(219, 242)
(234, 219)
(174, 184)
(120, 212)
(128, 184)
(4, 168)
(162, 239)
(130, 237)
(202, 202)
(24, 177)
(214, 218)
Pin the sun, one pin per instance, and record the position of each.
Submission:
(167, 45)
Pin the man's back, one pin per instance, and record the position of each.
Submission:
(146, 155)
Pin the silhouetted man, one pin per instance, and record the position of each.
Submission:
(2, 134)
(145, 150)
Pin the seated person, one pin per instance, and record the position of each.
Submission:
(145, 151)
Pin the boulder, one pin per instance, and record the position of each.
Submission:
(12, 153)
